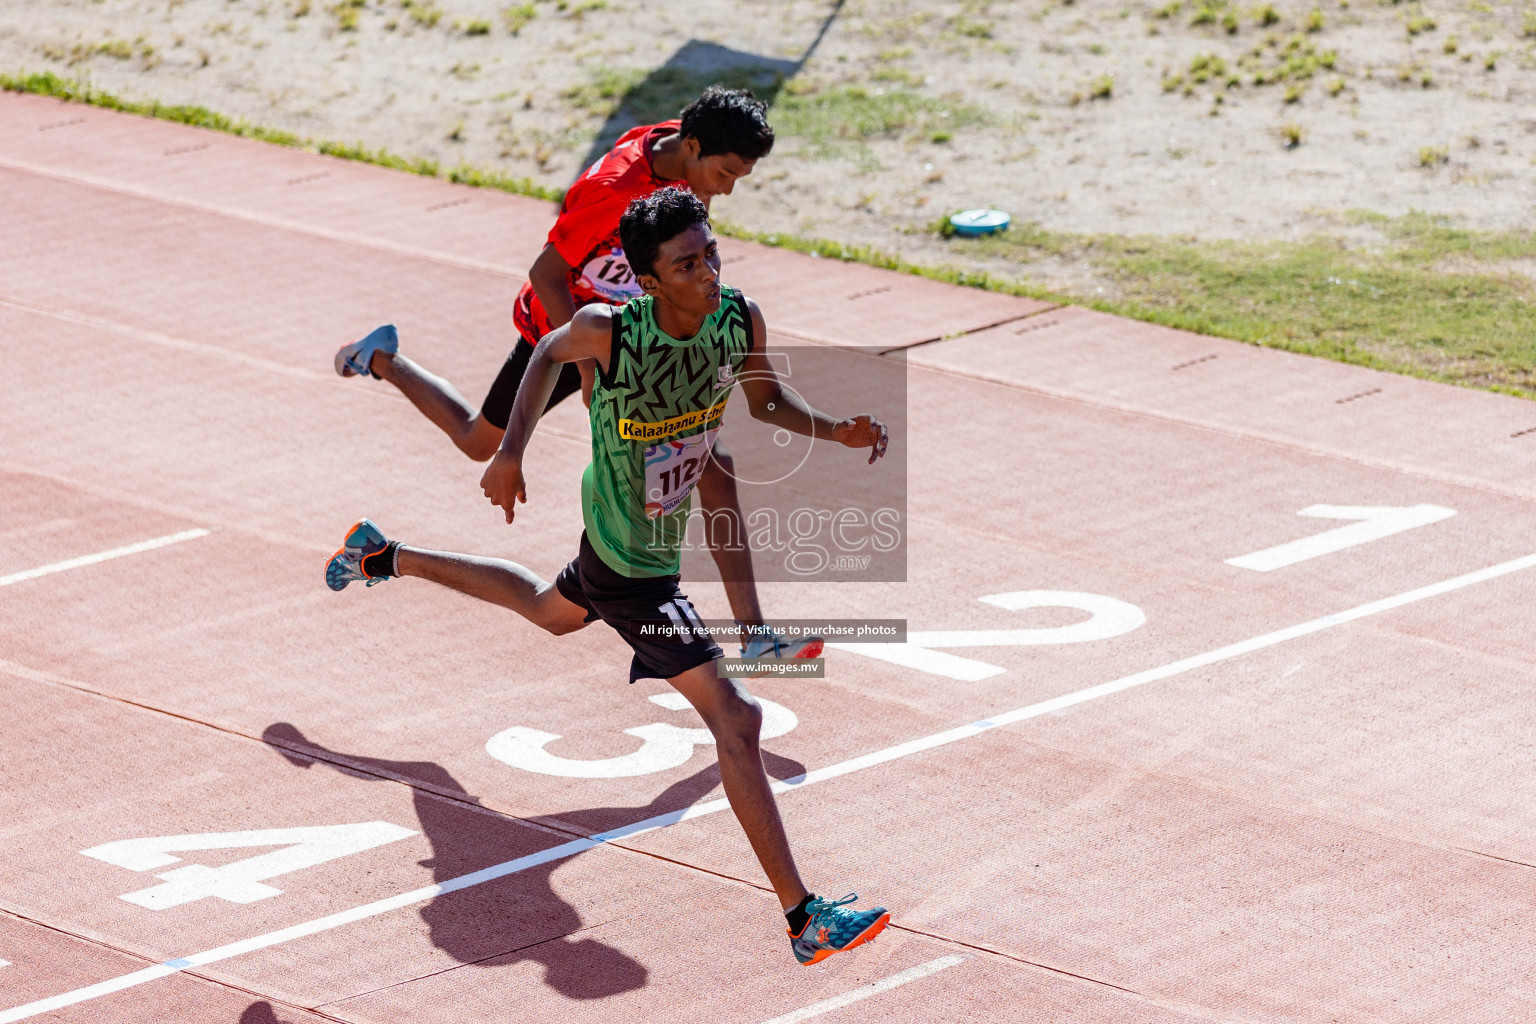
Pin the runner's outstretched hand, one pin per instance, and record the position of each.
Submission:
(863, 431)
(503, 483)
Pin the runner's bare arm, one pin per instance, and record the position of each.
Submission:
(549, 276)
(773, 403)
(587, 336)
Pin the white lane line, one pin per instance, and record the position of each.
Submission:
(280, 223)
(872, 989)
(661, 821)
(175, 344)
(101, 556)
(5, 963)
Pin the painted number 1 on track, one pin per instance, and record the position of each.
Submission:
(1373, 523)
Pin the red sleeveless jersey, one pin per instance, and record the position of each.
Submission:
(586, 232)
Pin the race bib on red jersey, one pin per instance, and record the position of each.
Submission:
(608, 276)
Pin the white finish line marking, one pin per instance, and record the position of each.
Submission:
(101, 556)
(660, 821)
(872, 989)
(1376, 522)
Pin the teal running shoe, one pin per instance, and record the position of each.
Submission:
(774, 647)
(353, 360)
(346, 565)
(833, 929)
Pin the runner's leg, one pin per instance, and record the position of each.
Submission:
(499, 582)
(441, 403)
(735, 718)
(727, 534)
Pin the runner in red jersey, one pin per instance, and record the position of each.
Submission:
(717, 140)
(583, 254)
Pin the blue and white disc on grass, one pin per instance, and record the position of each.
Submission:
(980, 222)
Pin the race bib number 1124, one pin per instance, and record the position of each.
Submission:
(671, 470)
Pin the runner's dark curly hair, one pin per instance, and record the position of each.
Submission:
(728, 121)
(655, 219)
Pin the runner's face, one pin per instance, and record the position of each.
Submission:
(710, 176)
(688, 271)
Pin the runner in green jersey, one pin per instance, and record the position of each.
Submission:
(655, 411)
(667, 364)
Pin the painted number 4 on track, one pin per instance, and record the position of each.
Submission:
(240, 881)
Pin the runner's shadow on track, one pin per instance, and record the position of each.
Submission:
(517, 917)
(260, 1013)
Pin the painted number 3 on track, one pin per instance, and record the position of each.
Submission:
(666, 745)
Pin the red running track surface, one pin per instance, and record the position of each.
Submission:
(1334, 823)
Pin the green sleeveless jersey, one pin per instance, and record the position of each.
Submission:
(654, 415)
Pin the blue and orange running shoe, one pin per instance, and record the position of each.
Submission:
(832, 929)
(775, 648)
(355, 359)
(346, 564)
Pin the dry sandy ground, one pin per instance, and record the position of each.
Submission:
(998, 100)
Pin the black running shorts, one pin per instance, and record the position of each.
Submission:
(497, 407)
(623, 602)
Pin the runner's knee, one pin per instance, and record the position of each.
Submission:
(740, 721)
(563, 620)
(555, 613)
(480, 439)
(477, 449)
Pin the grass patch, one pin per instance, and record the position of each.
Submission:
(121, 49)
(603, 94)
(856, 114)
(1292, 61)
(870, 256)
(664, 92)
(824, 118)
(346, 13)
(1431, 301)
(49, 84)
(481, 178)
(1296, 59)
(382, 157)
(425, 14)
(1208, 13)
(517, 17)
(971, 29)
